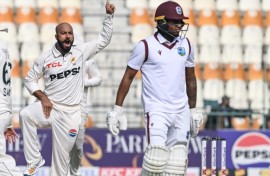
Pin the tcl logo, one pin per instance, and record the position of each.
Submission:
(55, 64)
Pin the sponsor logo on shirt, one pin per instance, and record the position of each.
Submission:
(72, 132)
(54, 64)
(65, 74)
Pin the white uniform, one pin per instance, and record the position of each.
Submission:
(7, 163)
(92, 78)
(63, 79)
(164, 96)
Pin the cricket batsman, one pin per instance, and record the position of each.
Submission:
(169, 90)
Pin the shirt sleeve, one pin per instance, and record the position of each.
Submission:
(104, 38)
(35, 73)
(10, 122)
(93, 75)
(190, 59)
(137, 57)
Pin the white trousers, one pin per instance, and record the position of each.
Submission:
(167, 129)
(64, 121)
(76, 153)
(7, 163)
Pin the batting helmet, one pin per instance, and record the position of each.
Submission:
(169, 10)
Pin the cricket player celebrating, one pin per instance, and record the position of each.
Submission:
(59, 105)
(92, 79)
(7, 163)
(169, 91)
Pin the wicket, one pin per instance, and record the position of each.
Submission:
(213, 156)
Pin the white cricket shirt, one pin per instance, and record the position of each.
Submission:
(5, 81)
(163, 73)
(63, 75)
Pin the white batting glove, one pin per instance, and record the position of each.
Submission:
(195, 122)
(116, 120)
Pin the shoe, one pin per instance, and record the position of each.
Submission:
(32, 168)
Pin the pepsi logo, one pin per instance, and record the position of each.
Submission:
(251, 150)
(72, 132)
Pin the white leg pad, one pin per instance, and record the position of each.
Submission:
(177, 163)
(154, 160)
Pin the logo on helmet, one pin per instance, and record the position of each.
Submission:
(179, 10)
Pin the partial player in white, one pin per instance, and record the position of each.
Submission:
(58, 106)
(7, 163)
(169, 90)
(92, 78)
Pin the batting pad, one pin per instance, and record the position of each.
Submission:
(154, 160)
(177, 163)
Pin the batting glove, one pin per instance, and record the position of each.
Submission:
(195, 122)
(116, 120)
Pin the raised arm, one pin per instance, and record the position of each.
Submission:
(105, 35)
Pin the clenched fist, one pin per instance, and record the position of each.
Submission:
(110, 8)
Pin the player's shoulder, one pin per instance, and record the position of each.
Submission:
(45, 55)
(149, 38)
(145, 41)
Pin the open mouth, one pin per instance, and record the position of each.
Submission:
(67, 44)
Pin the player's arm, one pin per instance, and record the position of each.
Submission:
(135, 63)
(34, 74)
(116, 120)
(125, 85)
(191, 87)
(105, 35)
(191, 84)
(94, 75)
(45, 102)
(31, 83)
(9, 133)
